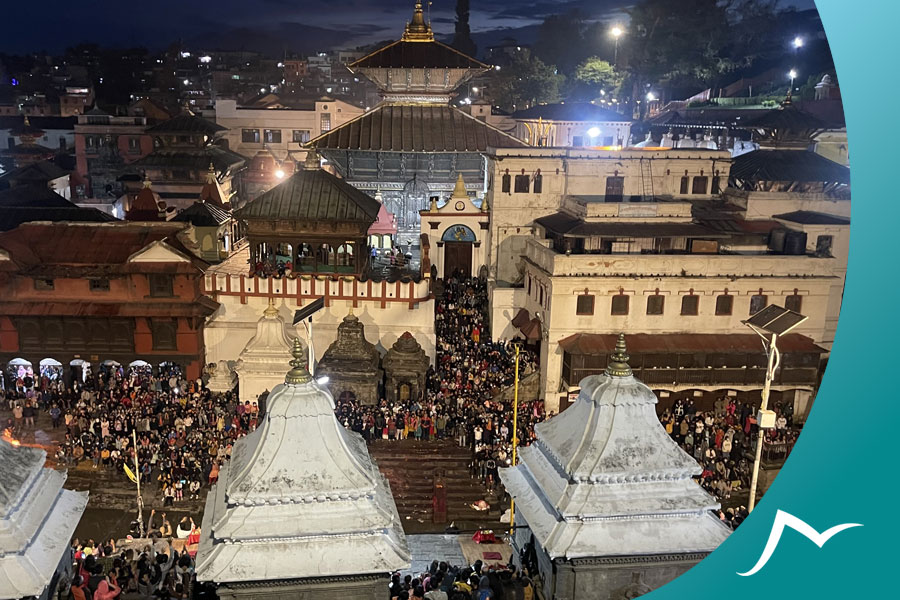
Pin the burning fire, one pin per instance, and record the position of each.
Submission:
(8, 436)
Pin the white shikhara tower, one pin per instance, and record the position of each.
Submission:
(300, 503)
(604, 486)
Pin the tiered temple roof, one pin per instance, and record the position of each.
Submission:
(300, 498)
(37, 518)
(605, 479)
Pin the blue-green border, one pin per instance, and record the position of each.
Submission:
(842, 469)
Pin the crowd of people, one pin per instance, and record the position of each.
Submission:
(183, 432)
(476, 582)
(461, 399)
(151, 569)
(723, 441)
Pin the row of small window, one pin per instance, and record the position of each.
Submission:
(273, 136)
(690, 305)
(524, 183)
(161, 285)
(93, 143)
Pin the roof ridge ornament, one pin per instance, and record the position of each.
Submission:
(298, 374)
(618, 363)
(418, 30)
(271, 311)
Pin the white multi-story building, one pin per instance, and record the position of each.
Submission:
(281, 130)
(585, 244)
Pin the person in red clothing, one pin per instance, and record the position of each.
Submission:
(79, 589)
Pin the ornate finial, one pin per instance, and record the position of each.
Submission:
(484, 205)
(211, 174)
(271, 311)
(312, 161)
(459, 190)
(433, 207)
(147, 183)
(350, 314)
(298, 374)
(418, 30)
(618, 363)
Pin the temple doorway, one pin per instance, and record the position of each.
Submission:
(347, 398)
(403, 392)
(457, 257)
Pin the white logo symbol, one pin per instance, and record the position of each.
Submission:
(782, 520)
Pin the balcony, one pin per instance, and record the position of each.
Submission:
(726, 376)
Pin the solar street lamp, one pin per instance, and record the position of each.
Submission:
(769, 323)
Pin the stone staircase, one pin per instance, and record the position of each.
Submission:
(411, 468)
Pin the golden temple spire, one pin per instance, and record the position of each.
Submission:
(211, 174)
(271, 311)
(298, 374)
(618, 363)
(459, 190)
(418, 30)
(147, 183)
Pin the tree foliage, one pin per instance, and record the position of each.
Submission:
(526, 81)
(594, 75)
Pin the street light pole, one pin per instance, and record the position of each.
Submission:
(774, 359)
(515, 441)
(616, 32)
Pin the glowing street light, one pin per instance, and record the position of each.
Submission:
(798, 42)
(793, 75)
(651, 96)
(593, 132)
(279, 174)
(616, 32)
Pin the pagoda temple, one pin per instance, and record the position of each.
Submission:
(37, 519)
(414, 143)
(301, 510)
(608, 497)
(185, 146)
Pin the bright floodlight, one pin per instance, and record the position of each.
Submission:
(593, 132)
(279, 174)
(792, 74)
(798, 42)
(651, 96)
(323, 380)
(187, 82)
(616, 31)
(475, 89)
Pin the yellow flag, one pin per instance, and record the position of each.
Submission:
(130, 474)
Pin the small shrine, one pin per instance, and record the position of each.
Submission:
(300, 510)
(262, 359)
(608, 497)
(221, 378)
(405, 365)
(351, 364)
(37, 519)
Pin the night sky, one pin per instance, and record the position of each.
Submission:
(304, 25)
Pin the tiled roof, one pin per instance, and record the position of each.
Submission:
(12, 217)
(417, 55)
(601, 343)
(314, 195)
(197, 159)
(27, 196)
(573, 111)
(788, 165)
(203, 214)
(415, 128)
(40, 171)
(81, 243)
(564, 224)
